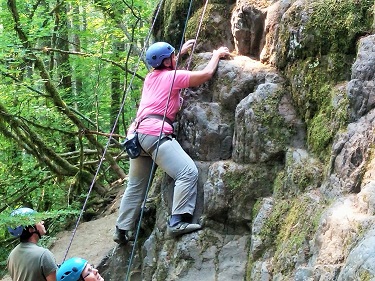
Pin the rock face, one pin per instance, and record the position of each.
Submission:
(283, 137)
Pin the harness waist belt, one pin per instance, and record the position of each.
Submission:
(156, 116)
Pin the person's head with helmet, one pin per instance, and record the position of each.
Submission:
(28, 259)
(76, 269)
(160, 55)
(27, 232)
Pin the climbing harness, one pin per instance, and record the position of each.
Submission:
(131, 143)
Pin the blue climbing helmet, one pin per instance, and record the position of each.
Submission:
(157, 52)
(71, 269)
(17, 231)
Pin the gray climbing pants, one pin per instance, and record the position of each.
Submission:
(173, 160)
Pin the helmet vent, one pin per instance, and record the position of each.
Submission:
(75, 269)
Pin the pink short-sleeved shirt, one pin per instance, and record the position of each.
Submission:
(154, 99)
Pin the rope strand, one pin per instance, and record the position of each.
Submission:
(106, 147)
(126, 92)
(196, 35)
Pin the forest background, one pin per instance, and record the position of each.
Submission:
(71, 76)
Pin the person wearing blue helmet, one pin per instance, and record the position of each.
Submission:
(159, 105)
(28, 261)
(76, 269)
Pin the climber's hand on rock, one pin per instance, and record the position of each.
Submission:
(187, 45)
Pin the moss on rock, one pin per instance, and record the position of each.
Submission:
(322, 104)
(337, 25)
(318, 28)
(210, 28)
(287, 230)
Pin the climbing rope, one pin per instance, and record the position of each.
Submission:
(196, 35)
(107, 144)
(114, 127)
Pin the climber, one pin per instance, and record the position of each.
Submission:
(157, 98)
(75, 269)
(28, 261)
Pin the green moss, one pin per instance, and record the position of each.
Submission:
(267, 114)
(291, 223)
(249, 267)
(322, 28)
(297, 225)
(170, 23)
(256, 208)
(288, 229)
(313, 79)
(301, 178)
(242, 188)
(330, 27)
(253, 181)
(336, 25)
(289, 48)
(207, 240)
(364, 275)
(278, 184)
(208, 28)
(322, 106)
(162, 268)
(329, 119)
(172, 20)
(274, 222)
(321, 131)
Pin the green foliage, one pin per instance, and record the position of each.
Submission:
(52, 218)
(6, 219)
(90, 51)
(25, 98)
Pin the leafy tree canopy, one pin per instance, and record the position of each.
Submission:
(66, 69)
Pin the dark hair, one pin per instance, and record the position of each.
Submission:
(26, 234)
(162, 66)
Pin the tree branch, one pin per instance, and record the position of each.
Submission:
(47, 50)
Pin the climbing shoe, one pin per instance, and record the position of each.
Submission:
(182, 228)
(122, 236)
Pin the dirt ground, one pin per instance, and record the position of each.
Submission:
(92, 240)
